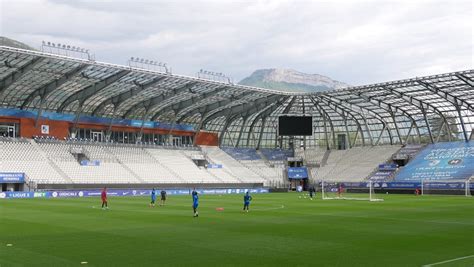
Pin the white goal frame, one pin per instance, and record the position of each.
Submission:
(371, 194)
(467, 186)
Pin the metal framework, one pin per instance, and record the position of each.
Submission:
(418, 110)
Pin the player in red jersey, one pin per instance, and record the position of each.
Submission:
(340, 190)
(103, 196)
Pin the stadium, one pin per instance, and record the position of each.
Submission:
(372, 175)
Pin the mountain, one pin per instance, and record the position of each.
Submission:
(13, 43)
(291, 80)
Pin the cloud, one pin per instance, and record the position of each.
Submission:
(357, 42)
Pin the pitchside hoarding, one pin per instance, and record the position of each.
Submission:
(441, 161)
(126, 192)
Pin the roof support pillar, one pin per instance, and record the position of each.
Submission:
(423, 110)
(264, 121)
(244, 122)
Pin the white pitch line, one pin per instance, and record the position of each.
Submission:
(447, 261)
(276, 208)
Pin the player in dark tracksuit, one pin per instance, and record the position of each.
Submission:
(163, 197)
(312, 192)
(247, 199)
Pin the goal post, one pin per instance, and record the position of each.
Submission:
(446, 187)
(331, 190)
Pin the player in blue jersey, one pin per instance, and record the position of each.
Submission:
(247, 199)
(195, 202)
(153, 198)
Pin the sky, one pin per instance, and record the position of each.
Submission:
(357, 42)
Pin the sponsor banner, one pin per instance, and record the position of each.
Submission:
(16, 194)
(409, 185)
(12, 177)
(388, 167)
(214, 166)
(297, 173)
(90, 162)
(441, 161)
(126, 192)
(90, 119)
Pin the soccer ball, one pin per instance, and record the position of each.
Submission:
(299, 196)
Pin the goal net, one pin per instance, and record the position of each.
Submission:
(348, 191)
(446, 187)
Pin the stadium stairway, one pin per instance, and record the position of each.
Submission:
(135, 175)
(264, 158)
(324, 160)
(176, 175)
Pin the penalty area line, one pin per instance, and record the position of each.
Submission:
(448, 261)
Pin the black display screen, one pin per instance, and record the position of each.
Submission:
(295, 125)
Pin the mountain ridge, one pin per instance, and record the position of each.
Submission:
(290, 80)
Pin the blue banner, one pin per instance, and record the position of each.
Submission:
(90, 162)
(214, 166)
(91, 119)
(388, 167)
(297, 173)
(441, 161)
(125, 192)
(12, 177)
(409, 185)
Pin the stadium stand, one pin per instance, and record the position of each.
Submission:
(277, 155)
(242, 153)
(53, 97)
(118, 164)
(20, 155)
(353, 164)
(312, 155)
(232, 167)
(252, 160)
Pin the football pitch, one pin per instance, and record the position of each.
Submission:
(281, 229)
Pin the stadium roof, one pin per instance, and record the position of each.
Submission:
(418, 110)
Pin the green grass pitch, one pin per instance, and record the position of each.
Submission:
(280, 230)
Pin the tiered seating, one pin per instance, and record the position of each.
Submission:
(312, 156)
(242, 153)
(262, 169)
(231, 167)
(409, 151)
(354, 164)
(143, 164)
(250, 159)
(182, 166)
(22, 156)
(278, 155)
(109, 171)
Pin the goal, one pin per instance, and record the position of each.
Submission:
(331, 190)
(446, 187)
